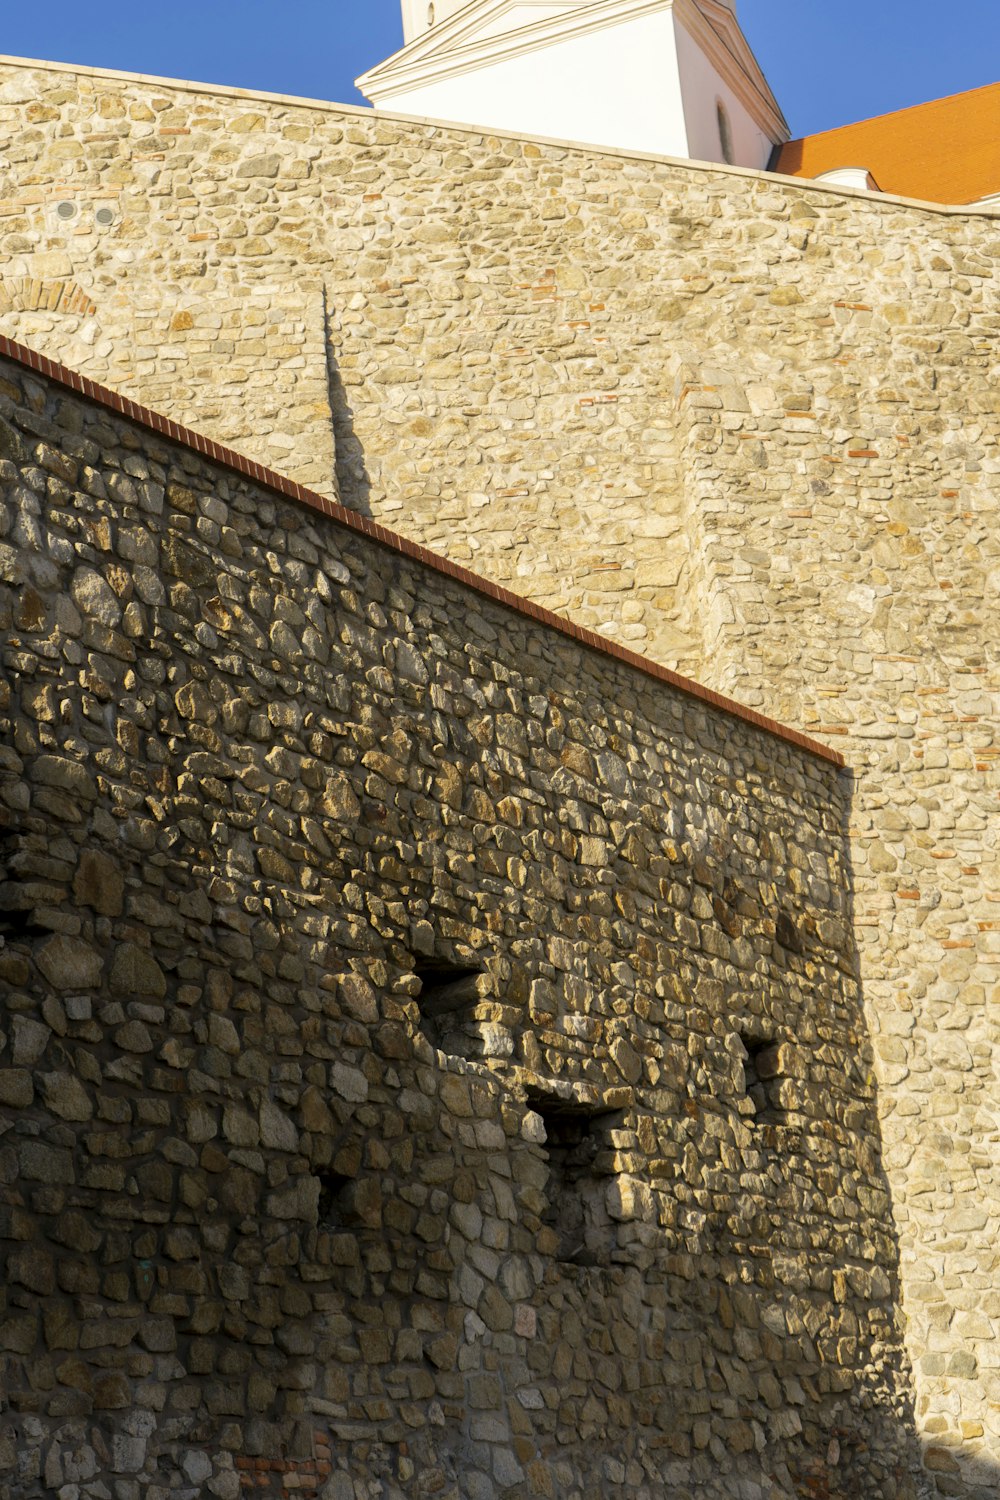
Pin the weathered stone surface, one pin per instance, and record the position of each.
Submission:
(30, 1039)
(530, 1063)
(65, 775)
(41, 1163)
(66, 1096)
(135, 972)
(16, 1087)
(807, 521)
(92, 596)
(69, 964)
(98, 883)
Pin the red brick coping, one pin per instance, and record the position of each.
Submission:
(365, 527)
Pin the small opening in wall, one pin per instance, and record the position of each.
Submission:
(67, 210)
(448, 1001)
(335, 1210)
(762, 1080)
(786, 933)
(18, 912)
(21, 925)
(105, 217)
(576, 1136)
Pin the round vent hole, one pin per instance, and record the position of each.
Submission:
(67, 210)
(105, 216)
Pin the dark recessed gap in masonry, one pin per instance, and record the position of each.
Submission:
(17, 907)
(21, 924)
(335, 1209)
(763, 1080)
(786, 933)
(576, 1208)
(448, 998)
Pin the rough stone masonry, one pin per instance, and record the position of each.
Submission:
(433, 1061)
(746, 425)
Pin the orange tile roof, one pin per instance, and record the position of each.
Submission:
(947, 151)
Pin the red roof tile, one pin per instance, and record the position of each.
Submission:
(947, 151)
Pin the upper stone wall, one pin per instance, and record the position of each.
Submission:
(510, 324)
(432, 1060)
(195, 296)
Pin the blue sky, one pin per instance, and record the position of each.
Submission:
(829, 61)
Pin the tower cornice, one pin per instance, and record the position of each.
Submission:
(471, 39)
(463, 43)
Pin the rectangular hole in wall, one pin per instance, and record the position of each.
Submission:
(335, 1208)
(763, 1079)
(576, 1192)
(448, 1000)
(787, 933)
(18, 901)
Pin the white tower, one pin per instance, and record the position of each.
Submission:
(420, 15)
(675, 77)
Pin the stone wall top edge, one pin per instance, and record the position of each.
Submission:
(29, 359)
(190, 85)
(355, 111)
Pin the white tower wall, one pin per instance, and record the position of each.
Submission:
(703, 90)
(673, 77)
(576, 94)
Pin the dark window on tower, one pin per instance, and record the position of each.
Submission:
(448, 1002)
(762, 1076)
(335, 1208)
(576, 1209)
(787, 934)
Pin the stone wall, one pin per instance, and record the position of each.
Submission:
(432, 1058)
(866, 608)
(180, 302)
(746, 425)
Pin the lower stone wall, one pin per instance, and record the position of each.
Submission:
(854, 591)
(432, 1057)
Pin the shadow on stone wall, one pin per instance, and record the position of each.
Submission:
(849, 1430)
(756, 1354)
(353, 482)
(888, 1365)
(860, 1369)
(972, 1479)
(928, 1469)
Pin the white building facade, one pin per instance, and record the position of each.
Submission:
(674, 77)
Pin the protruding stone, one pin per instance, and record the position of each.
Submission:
(66, 1096)
(70, 964)
(136, 974)
(16, 1087)
(94, 598)
(30, 1040)
(99, 883)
